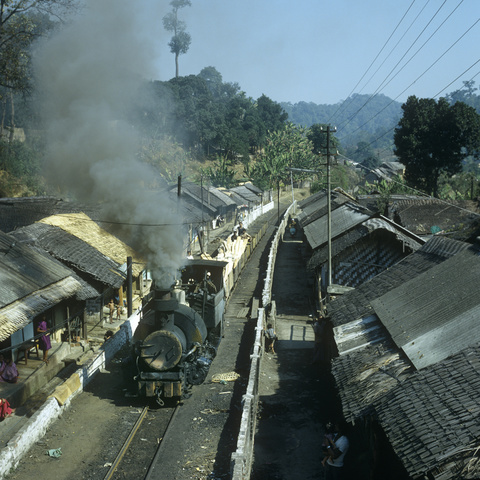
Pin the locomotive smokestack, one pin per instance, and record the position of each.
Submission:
(165, 305)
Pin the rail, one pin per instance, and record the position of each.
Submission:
(242, 458)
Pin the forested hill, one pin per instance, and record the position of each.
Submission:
(358, 118)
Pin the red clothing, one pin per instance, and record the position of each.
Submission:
(5, 409)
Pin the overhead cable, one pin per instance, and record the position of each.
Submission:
(374, 60)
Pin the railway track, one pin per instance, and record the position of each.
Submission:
(143, 444)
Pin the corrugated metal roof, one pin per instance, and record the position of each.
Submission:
(202, 195)
(357, 303)
(318, 209)
(246, 193)
(343, 219)
(81, 226)
(222, 196)
(253, 188)
(435, 315)
(311, 199)
(239, 201)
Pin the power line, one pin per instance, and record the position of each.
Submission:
(374, 60)
(348, 120)
(396, 45)
(420, 76)
(453, 81)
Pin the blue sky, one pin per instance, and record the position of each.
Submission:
(317, 51)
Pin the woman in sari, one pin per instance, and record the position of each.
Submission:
(44, 340)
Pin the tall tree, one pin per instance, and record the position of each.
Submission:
(180, 41)
(434, 138)
(21, 23)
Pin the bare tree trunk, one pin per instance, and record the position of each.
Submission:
(176, 65)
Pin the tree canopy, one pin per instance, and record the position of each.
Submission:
(210, 117)
(433, 138)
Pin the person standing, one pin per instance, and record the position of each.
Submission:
(337, 449)
(44, 341)
(270, 337)
(111, 307)
(319, 328)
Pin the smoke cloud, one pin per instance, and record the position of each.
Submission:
(89, 76)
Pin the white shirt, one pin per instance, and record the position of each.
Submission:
(342, 445)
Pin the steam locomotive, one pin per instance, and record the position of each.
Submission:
(179, 332)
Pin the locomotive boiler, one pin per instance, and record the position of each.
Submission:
(179, 331)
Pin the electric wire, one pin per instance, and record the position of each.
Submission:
(379, 88)
(453, 81)
(371, 64)
(396, 45)
(420, 76)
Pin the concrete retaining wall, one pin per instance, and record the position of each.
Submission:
(242, 458)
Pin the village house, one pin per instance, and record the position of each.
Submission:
(407, 370)
(363, 244)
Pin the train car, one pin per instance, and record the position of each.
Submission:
(179, 332)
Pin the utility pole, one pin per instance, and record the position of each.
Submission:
(329, 208)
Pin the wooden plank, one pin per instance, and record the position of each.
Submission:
(255, 305)
(243, 312)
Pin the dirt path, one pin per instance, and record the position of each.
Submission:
(296, 397)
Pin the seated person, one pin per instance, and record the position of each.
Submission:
(5, 409)
(10, 373)
(108, 334)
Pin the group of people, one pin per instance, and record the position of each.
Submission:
(114, 308)
(239, 231)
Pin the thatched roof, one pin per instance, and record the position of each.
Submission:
(84, 228)
(17, 315)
